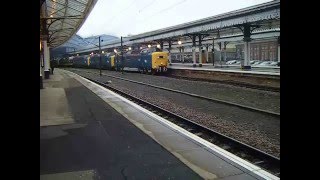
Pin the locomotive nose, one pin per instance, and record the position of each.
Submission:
(159, 61)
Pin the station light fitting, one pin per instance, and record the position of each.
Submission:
(129, 48)
(179, 42)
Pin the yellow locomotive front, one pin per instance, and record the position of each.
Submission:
(160, 61)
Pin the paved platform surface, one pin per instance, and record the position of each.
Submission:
(227, 68)
(100, 143)
(110, 137)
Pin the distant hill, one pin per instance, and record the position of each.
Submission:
(78, 43)
(104, 37)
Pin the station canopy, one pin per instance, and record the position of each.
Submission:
(64, 18)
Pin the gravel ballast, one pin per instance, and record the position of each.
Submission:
(256, 129)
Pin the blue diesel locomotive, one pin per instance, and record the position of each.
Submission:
(149, 60)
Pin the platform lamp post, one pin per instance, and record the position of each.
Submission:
(100, 55)
(122, 61)
(180, 48)
(100, 40)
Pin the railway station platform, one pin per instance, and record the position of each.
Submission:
(258, 77)
(89, 132)
(259, 70)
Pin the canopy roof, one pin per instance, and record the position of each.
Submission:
(63, 18)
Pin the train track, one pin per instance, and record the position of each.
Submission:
(230, 82)
(262, 159)
(195, 95)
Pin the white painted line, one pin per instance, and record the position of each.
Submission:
(247, 165)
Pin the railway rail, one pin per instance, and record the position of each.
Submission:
(230, 82)
(196, 95)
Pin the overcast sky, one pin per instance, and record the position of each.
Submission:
(123, 17)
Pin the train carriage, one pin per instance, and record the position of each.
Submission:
(107, 61)
(94, 61)
(80, 61)
(149, 60)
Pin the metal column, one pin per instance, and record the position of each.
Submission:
(161, 45)
(182, 48)
(194, 51)
(46, 60)
(43, 47)
(200, 56)
(49, 60)
(212, 54)
(207, 53)
(169, 49)
(279, 53)
(194, 56)
(246, 39)
(246, 63)
(279, 49)
(225, 51)
(180, 59)
(200, 52)
(220, 54)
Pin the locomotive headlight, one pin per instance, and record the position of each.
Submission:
(102, 52)
(129, 48)
(179, 42)
(158, 46)
(115, 51)
(149, 46)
